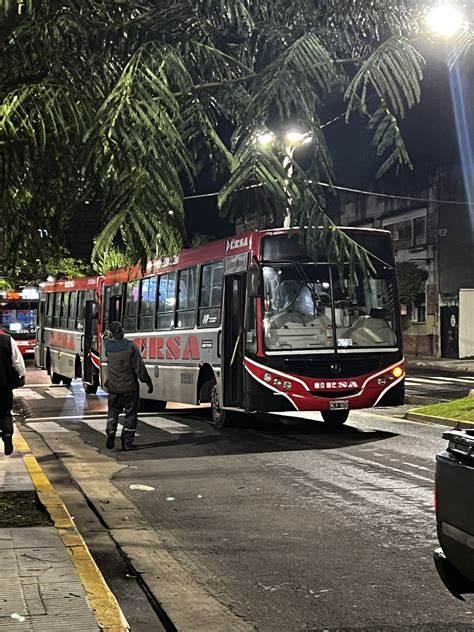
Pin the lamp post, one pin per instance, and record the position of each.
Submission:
(293, 139)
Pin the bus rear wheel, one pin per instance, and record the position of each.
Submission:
(335, 418)
(90, 389)
(219, 415)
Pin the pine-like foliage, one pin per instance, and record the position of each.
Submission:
(127, 102)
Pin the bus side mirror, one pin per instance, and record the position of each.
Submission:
(253, 283)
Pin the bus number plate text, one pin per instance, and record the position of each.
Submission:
(340, 404)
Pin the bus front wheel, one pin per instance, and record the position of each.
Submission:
(219, 415)
(90, 389)
(335, 417)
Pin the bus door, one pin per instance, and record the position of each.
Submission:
(40, 325)
(233, 340)
(90, 339)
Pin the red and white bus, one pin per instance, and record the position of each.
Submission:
(254, 323)
(18, 317)
(68, 336)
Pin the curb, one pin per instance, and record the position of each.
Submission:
(421, 400)
(444, 367)
(430, 419)
(101, 600)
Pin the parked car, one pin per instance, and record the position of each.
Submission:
(454, 502)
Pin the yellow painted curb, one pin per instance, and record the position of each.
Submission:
(101, 599)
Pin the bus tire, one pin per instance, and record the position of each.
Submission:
(220, 417)
(152, 406)
(335, 418)
(55, 378)
(66, 380)
(90, 389)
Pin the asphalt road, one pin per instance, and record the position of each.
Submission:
(279, 522)
(438, 384)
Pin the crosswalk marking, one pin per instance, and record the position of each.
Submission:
(27, 393)
(439, 380)
(62, 393)
(173, 427)
(46, 426)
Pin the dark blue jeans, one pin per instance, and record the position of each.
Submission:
(6, 404)
(128, 403)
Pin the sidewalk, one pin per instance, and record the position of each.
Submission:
(49, 580)
(441, 364)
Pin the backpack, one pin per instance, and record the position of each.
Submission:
(9, 377)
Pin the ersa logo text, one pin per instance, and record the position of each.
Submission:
(233, 244)
(335, 385)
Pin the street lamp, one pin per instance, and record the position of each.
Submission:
(445, 20)
(292, 139)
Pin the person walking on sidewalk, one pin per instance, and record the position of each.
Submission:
(12, 375)
(126, 368)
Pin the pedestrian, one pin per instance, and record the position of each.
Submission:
(126, 368)
(12, 375)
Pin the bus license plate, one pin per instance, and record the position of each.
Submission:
(341, 404)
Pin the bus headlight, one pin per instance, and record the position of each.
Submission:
(277, 381)
(286, 385)
(267, 377)
(397, 372)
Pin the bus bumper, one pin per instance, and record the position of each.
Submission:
(273, 391)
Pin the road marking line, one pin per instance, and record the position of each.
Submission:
(60, 417)
(46, 426)
(172, 427)
(59, 394)
(102, 601)
(439, 380)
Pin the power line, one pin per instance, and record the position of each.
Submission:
(406, 198)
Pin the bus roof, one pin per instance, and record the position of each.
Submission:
(212, 251)
(69, 285)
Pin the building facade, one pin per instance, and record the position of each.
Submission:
(438, 238)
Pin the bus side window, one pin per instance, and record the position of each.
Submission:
(50, 310)
(80, 310)
(166, 300)
(146, 318)
(64, 310)
(131, 306)
(57, 308)
(106, 307)
(187, 299)
(210, 299)
(71, 317)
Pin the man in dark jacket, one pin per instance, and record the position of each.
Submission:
(126, 367)
(12, 375)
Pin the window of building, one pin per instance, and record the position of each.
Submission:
(408, 232)
(166, 301)
(186, 309)
(350, 211)
(57, 309)
(71, 316)
(419, 230)
(210, 299)
(132, 294)
(81, 306)
(148, 290)
(419, 308)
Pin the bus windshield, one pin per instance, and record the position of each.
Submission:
(18, 320)
(317, 306)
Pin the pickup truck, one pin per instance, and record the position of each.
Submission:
(454, 503)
